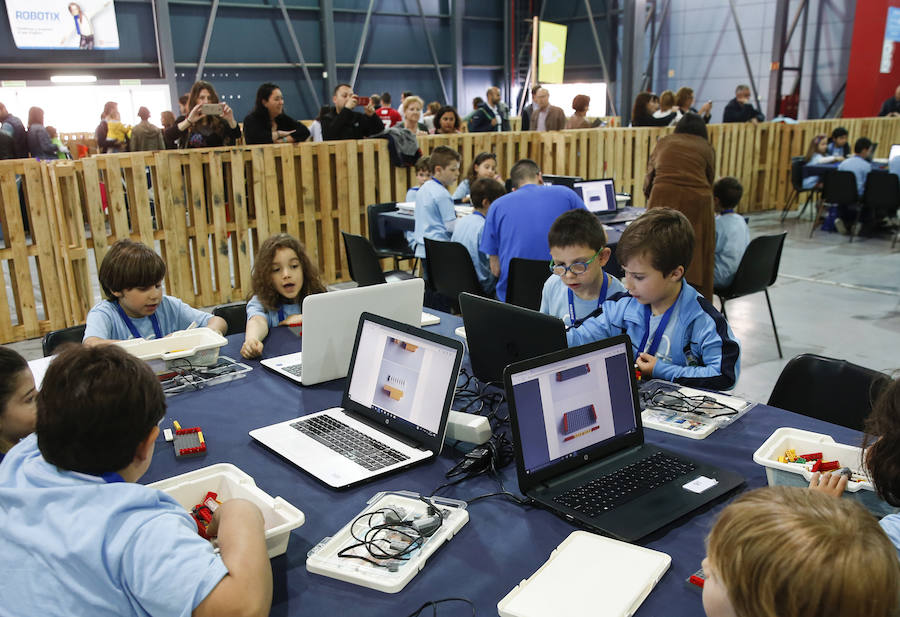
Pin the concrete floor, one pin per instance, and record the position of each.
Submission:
(832, 298)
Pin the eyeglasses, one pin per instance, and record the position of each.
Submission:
(576, 267)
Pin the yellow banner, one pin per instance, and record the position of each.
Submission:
(551, 52)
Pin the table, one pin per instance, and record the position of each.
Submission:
(823, 168)
(502, 544)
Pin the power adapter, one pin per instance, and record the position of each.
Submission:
(476, 460)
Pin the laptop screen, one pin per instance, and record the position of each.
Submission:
(895, 151)
(567, 407)
(598, 195)
(402, 376)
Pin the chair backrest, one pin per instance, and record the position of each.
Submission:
(362, 260)
(836, 391)
(882, 193)
(52, 340)
(451, 270)
(797, 163)
(395, 241)
(840, 188)
(525, 282)
(234, 314)
(759, 266)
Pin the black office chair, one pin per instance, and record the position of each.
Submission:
(839, 188)
(451, 270)
(52, 340)
(797, 163)
(525, 282)
(363, 262)
(832, 390)
(756, 272)
(234, 314)
(391, 244)
(880, 199)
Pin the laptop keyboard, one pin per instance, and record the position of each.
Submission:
(607, 492)
(349, 442)
(293, 369)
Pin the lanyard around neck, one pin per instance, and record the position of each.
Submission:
(577, 322)
(133, 329)
(660, 329)
(280, 314)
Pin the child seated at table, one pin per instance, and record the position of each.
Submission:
(470, 228)
(882, 458)
(859, 166)
(484, 166)
(435, 215)
(732, 233)
(765, 545)
(131, 276)
(817, 154)
(283, 274)
(837, 143)
(677, 334)
(423, 175)
(578, 286)
(81, 536)
(17, 393)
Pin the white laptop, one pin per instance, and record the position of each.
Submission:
(393, 414)
(329, 323)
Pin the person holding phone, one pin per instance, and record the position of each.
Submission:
(208, 124)
(341, 122)
(268, 124)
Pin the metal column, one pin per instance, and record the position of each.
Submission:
(434, 57)
(737, 26)
(457, 10)
(362, 43)
(206, 37)
(609, 93)
(165, 51)
(657, 35)
(632, 54)
(326, 13)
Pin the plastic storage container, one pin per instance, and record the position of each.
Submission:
(229, 482)
(805, 442)
(183, 349)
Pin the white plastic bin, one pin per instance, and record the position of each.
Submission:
(806, 442)
(183, 349)
(229, 482)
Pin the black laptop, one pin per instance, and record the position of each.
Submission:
(499, 334)
(580, 447)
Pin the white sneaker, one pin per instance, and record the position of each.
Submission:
(839, 225)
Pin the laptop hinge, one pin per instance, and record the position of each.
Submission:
(380, 426)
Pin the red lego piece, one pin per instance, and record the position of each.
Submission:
(829, 465)
(815, 456)
(816, 467)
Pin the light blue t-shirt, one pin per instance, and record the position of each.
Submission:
(462, 190)
(411, 194)
(435, 216)
(732, 238)
(104, 321)
(468, 233)
(273, 318)
(860, 168)
(555, 298)
(891, 526)
(816, 159)
(74, 544)
(894, 165)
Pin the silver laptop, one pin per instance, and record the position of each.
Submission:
(393, 414)
(329, 322)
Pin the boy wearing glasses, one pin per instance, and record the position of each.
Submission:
(578, 286)
(677, 334)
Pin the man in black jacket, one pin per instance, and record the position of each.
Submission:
(19, 141)
(341, 122)
(492, 115)
(739, 108)
(891, 107)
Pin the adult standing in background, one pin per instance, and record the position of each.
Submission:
(544, 116)
(446, 121)
(891, 107)
(526, 112)
(20, 141)
(581, 103)
(101, 133)
(39, 143)
(739, 108)
(412, 112)
(268, 124)
(146, 136)
(204, 128)
(680, 175)
(167, 119)
(341, 122)
(492, 115)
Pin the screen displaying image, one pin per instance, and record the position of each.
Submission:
(597, 195)
(57, 24)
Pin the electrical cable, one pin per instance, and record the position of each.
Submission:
(433, 604)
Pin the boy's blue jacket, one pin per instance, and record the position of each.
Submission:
(702, 353)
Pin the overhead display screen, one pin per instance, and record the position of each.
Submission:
(57, 24)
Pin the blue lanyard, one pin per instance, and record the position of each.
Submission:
(131, 326)
(577, 322)
(441, 184)
(111, 476)
(729, 211)
(660, 329)
(280, 314)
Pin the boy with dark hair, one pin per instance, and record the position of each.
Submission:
(423, 175)
(81, 531)
(732, 233)
(859, 165)
(483, 192)
(389, 116)
(578, 285)
(677, 334)
(435, 215)
(131, 276)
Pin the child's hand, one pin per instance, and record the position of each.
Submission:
(645, 364)
(829, 483)
(252, 348)
(293, 320)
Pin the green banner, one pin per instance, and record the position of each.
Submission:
(551, 52)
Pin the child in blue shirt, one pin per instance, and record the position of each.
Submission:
(677, 334)
(423, 175)
(484, 166)
(435, 215)
(17, 394)
(283, 274)
(859, 165)
(470, 228)
(578, 285)
(131, 276)
(79, 532)
(732, 233)
(837, 143)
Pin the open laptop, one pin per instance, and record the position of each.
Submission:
(568, 181)
(393, 413)
(895, 152)
(580, 448)
(499, 334)
(599, 196)
(329, 322)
